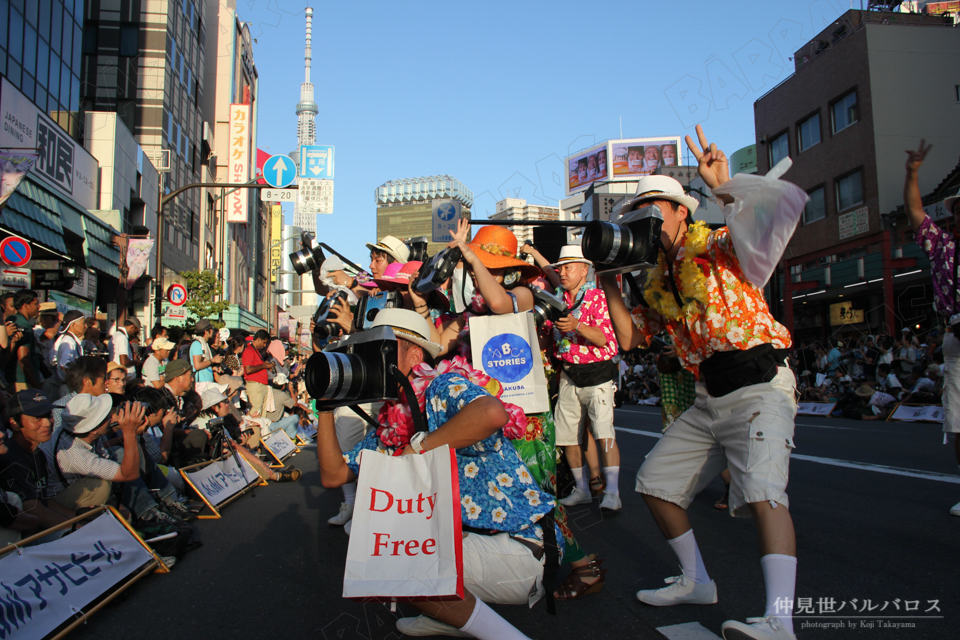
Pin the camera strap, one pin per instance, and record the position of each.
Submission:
(419, 421)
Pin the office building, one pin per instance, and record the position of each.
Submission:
(864, 90)
(405, 207)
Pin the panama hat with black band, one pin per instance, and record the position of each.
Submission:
(392, 247)
(408, 325)
(570, 254)
(659, 188)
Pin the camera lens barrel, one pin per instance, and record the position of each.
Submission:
(607, 243)
(303, 261)
(332, 376)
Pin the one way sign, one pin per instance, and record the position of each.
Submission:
(316, 161)
(279, 171)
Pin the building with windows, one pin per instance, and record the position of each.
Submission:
(405, 207)
(864, 90)
(144, 62)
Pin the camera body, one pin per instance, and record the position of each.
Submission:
(547, 306)
(370, 306)
(228, 423)
(626, 246)
(324, 328)
(437, 270)
(356, 369)
(418, 249)
(310, 257)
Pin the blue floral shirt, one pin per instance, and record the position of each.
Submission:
(497, 492)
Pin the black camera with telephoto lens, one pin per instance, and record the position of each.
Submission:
(437, 270)
(630, 244)
(310, 257)
(370, 306)
(547, 306)
(324, 327)
(356, 369)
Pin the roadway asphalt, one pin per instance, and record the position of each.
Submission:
(870, 502)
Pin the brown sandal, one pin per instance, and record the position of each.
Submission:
(574, 587)
(598, 485)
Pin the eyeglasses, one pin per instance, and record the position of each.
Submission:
(115, 378)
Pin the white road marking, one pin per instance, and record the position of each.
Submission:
(688, 631)
(862, 466)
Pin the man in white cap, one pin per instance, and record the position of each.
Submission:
(504, 566)
(743, 417)
(940, 247)
(154, 365)
(585, 345)
(386, 252)
(120, 350)
(66, 348)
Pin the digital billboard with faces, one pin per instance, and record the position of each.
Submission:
(620, 160)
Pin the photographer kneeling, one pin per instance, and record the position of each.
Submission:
(503, 563)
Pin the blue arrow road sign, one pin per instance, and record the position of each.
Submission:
(279, 171)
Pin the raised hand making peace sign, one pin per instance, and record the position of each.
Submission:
(712, 162)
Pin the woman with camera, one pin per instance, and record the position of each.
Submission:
(497, 274)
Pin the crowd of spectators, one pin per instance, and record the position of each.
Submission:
(95, 416)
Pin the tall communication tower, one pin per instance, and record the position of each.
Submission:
(306, 126)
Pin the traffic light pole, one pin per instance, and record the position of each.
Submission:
(162, 203)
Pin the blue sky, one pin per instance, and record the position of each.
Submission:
(497, 93)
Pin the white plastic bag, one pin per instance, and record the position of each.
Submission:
(762, 218)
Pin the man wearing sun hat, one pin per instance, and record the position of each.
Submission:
(386, 252)
(503, 565)
(743, 417)
(585, 345)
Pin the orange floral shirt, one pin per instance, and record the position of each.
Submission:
(736, 316)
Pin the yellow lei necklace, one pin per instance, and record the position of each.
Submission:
(693, 282)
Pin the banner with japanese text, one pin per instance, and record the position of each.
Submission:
(48, 584)
(238, 162)
(223, 478)
(276, 235)
(279, 443)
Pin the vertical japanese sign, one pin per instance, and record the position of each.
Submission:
(276, 235)
(238, 164)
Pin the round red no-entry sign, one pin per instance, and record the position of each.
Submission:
(15, 252)
(177, 295)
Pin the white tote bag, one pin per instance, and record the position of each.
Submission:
(406, 541)
(505, 347)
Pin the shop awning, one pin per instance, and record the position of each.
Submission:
(99, 250)
(35, 214)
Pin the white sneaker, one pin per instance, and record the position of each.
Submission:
(578, 496)
(344, 516)
(611, 501)
(680, 590)
(427, 626)
(769, 628)
(347, 527)
(169, 561)
(955, 510)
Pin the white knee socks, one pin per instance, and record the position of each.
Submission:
(780, 578)
(688, 553)
(613, 479)
(580, 477)
(349, 492)
(486, 624)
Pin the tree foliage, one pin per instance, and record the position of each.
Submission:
(203, 293)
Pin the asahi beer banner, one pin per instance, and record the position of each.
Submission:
(927, 413)
(280, 444)
(63, 163)
(238, 162)
(46, 585)
(223, 478)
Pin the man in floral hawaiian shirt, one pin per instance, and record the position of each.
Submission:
(940, 247)
(498, 493)
(743, 416)
(585, 345)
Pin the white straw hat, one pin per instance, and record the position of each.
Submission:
(571, 253)
(396, 248)
(660, 188)
(408, 325)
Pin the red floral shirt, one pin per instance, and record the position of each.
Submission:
(736, 316)
(592, 312)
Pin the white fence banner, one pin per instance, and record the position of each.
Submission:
(223, 478)
(280, 444)
(46, 585)
(815, 408)
(925, 413)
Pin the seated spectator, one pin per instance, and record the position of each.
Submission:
(873, 405)
(189, 445)
(158, 418)
(888, 382)
(155, 363)
(116, 378)
(925, 387)
(215, 405)
(23, 468)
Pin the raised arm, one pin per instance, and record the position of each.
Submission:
(912, 203)
(629, 336)
(334, 471)
(493, 292)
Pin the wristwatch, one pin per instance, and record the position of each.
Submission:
(417, 441)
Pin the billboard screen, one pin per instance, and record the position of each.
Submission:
(642, 156)
(587, 167)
